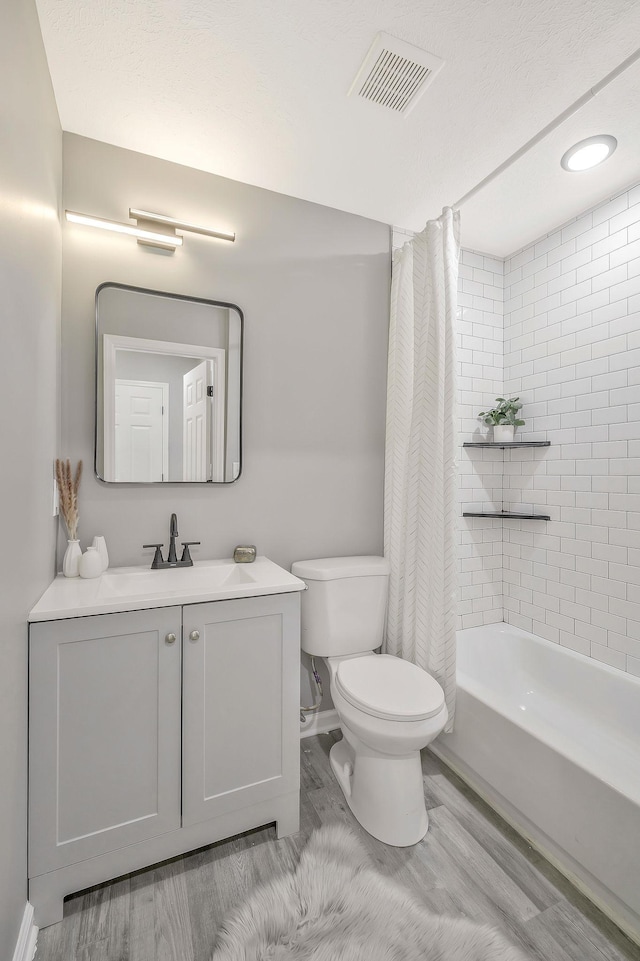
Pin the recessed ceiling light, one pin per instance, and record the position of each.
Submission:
(589, 153)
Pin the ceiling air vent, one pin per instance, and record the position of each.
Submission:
(395, 74)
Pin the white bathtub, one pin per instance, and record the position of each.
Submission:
(551, 739)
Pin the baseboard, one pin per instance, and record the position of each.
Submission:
(320, 723)
(27, 937)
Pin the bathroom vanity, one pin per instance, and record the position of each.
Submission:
(163, 717)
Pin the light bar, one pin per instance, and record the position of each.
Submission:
(180, 224)
(168, 241)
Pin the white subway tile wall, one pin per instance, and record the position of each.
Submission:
(557, 323)
(480, 381)
(572, 353)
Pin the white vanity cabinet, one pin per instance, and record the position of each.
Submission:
(240, 705)
(154, 732)
(104, 734)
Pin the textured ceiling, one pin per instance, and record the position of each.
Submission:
(537, 194)
(256, 90)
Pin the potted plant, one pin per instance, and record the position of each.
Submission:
(503, 418)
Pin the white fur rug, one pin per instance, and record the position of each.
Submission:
(336, 907)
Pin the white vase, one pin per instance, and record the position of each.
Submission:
(71, 558)
(90, 564)
(101, 546)
(503, 433)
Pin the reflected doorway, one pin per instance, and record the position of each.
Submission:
(141, 427)
(164, 411)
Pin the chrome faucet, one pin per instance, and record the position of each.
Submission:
(172, 559)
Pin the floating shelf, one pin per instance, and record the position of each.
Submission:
(506, 515)
(507, 445)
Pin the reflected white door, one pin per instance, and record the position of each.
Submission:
(195, 447)
(141, 431)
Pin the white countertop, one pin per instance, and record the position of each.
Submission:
(137, 588)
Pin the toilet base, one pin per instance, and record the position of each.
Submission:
(385, 792)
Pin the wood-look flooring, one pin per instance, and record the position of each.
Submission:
(470, 863)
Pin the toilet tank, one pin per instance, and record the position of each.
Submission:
(343, 610)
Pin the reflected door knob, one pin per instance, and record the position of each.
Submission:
(170, 638)
(194, 636)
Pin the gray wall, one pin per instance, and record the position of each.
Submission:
(30, 187)
(314, 287)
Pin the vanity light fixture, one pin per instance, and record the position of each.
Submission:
(151, 218)
(143, 231)
(588, 153)
(151, 237)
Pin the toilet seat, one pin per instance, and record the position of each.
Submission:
(388, 687)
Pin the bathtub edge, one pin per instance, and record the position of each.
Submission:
(602, 897)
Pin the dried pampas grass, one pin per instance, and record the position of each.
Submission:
(68, 495)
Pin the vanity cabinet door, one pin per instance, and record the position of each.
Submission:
(104, 734)
(241, 679)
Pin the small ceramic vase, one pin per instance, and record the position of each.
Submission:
(90, 564)
(101, 546)
(503, 433)
(70, 560)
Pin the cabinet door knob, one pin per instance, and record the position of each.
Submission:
(170, 638)
(194, 636)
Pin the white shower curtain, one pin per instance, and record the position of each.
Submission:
(420, 467)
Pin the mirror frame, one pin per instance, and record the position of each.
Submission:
(188, 299)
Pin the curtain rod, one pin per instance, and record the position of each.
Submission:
(560, 119)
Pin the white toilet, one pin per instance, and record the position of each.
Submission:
(389, 709)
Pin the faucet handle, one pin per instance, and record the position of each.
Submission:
(157, 557)
(186, 555)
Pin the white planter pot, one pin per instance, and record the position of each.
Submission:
(503, 433)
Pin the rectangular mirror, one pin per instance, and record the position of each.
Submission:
(168, 388)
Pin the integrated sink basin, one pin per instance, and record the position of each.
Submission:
(128, 582)
(136, 588)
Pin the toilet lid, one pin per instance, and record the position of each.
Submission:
(388, 687)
